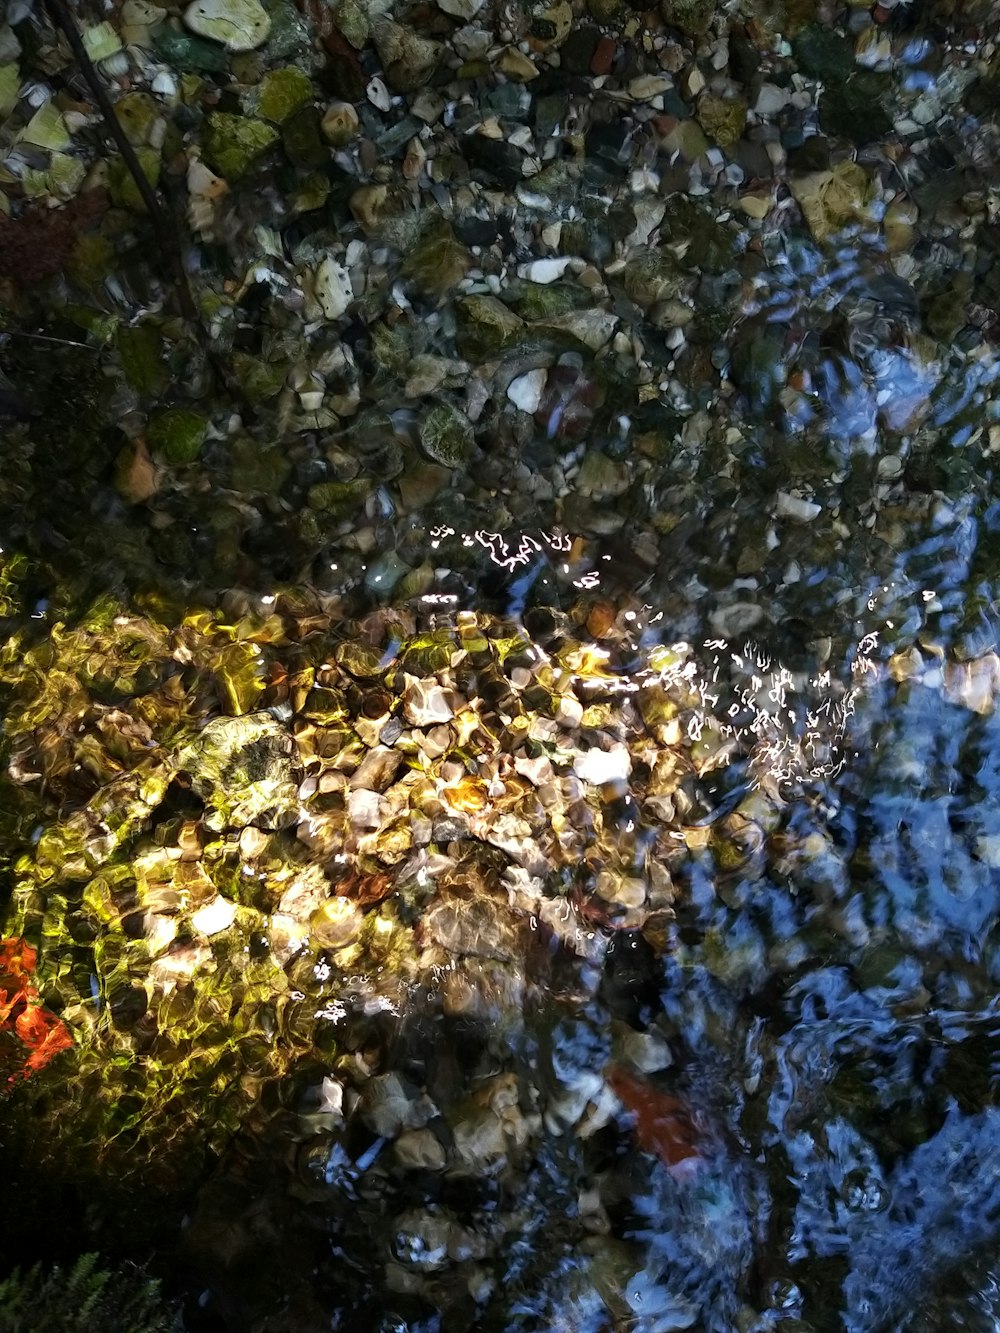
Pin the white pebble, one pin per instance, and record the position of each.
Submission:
(600, 766)
(378, 94)
(215, 916)
(333, 288)
(794, 507)
(526, 391)
(544, 270)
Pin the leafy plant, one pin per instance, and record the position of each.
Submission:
(84, 1298)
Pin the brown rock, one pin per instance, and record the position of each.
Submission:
(603, 57)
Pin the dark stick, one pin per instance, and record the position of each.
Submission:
(165, 234)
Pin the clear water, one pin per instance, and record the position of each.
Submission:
(758, 1093)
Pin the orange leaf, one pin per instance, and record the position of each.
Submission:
(8, 1005)
(44, 1033)
(661, 1123)
(17, 957)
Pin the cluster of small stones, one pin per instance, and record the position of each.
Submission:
(459, 821)
(578, 261)
(425, 799)
(406, 822)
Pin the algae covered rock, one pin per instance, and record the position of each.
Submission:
(186, 52)
(242, 767)
(233, 143)
(280, 93)
(652, 276)
(176, 435)
(140, 350)
(302, 139)
(259, 379)
(124, 190)
(438, 262)
(831, 199)
(486, 327)
(693, 17)
(723, 119)
(409, 60)
(446, 436)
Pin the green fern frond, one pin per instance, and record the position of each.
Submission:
(84, 1298)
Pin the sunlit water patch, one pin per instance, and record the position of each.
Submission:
(489, 922)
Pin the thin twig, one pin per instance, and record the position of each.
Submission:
(45, 338)
(165, 233)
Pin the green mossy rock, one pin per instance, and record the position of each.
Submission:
(339, 498)
(693, 17)
(137, 113)
(446, 436)
(723, 119)
(438, 262)
(280, 94)
(140, 349)
(124, 190)
(92, 260)
(259, 380)
(242, 766)
(855, 110)
(176, 435)
(652, 276)
(257, 469)
(534, 300)
(824, 54)
(485, 327)
(188, 53)
(302, 140)
(352, 21)
(234, 143)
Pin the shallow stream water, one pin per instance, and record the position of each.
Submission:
(502, 764)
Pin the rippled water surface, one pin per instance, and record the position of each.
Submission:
(500, 824)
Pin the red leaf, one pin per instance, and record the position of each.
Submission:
(9, 1000)
(17, 957)
(44, 1033)
(661, 1123)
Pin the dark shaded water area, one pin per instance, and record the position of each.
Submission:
(499, 826)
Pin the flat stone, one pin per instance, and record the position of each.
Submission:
(425, 704)
(600, 766)
(420, 1150)
(592, 328)
(239, 25)
(794, 507)
(461, 9)
(215, 916)
(377, 770)
(517, 66)
(545, 270)
(364, 808)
